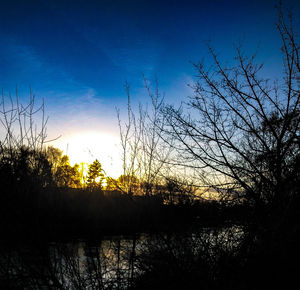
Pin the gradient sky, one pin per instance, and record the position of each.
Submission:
(77, 55)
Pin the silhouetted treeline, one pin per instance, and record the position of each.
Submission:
(35, 206)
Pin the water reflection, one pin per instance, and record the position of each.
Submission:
(119, 262)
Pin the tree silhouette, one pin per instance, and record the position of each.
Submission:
(239, 134)
(112, 184)
(124, 180)
(54, 156)
(66, 175)
(144, 154)
(95, 175)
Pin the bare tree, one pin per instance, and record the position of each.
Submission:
(240, 133)
(154, 153)
(144, 152)
(23, 135)
(130, 137)
(19, 126)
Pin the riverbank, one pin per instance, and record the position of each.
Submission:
(75, 213)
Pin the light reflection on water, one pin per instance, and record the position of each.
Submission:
(114, 262)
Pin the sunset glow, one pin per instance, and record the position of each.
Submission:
(88, 146)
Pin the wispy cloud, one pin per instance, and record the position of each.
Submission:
(70, 104)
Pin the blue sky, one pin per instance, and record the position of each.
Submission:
(77, 55)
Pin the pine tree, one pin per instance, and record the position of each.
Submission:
(95, 175)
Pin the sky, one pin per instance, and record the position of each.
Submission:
(77, 56)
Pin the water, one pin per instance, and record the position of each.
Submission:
(115, 262)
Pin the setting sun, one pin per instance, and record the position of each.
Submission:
(88, 146)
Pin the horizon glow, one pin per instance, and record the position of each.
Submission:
(90, 145)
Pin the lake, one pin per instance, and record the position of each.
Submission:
(118, 262)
